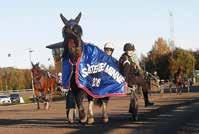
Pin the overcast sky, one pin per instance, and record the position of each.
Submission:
(34, 24)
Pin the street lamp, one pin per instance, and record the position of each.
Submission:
(6, 76)
(30, 51)
(30, 58)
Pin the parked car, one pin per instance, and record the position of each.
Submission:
(15, 98)
(4, 99)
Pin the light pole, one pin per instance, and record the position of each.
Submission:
(50, 62)
(6, 81)
(30, 51)
(30, 58)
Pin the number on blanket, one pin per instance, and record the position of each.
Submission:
(96, 82)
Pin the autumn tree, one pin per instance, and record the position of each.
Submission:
(196, 56)
(182, 58)
(158, 58)
(15, 79)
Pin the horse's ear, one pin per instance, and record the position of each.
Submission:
(32, 64)
(37, 64)
(77, 19)
(65, 21)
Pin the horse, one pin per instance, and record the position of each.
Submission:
(73, 45)
(43, 83)
(73, 49)
(179, 81)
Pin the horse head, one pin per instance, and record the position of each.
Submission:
(72, 33)
(36, 70)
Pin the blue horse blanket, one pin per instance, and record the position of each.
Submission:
(96, 73)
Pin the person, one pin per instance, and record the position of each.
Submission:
(108, 48)
(130, 68)
(59, 81)
(102, 102)
(60, 78)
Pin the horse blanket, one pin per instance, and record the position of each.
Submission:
(96, 73)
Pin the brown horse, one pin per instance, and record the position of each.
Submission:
(44, 84)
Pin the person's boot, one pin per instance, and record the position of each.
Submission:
(146, 100)
(149, 104)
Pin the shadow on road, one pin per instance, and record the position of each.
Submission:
(155, 121)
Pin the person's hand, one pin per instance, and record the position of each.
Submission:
(65, 89)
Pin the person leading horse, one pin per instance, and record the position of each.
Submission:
(129, 66)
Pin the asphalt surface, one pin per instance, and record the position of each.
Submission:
(171, 114)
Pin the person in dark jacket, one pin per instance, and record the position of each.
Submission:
(129, 67)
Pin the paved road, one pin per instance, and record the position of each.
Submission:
(172, 114)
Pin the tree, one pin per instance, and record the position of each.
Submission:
(15, 79)
(166, 62)
(196, 56)
(182, 58)
(158, 58)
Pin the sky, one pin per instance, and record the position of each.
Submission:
(34, 24)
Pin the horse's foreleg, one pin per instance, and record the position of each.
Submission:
(46, 103)
(37, 100)
(90, 112)
(46, 100)
(52, 93)
(36, 94)
(177, 90)
(50, 99)
(180, 89)
(104, 112)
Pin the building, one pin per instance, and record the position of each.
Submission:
(57, 50)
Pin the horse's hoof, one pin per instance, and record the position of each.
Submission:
(70, 121)
(83, 120)
(46, 106)
(69, 115)
(105, 119)
(82, 116)
(90, 120)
